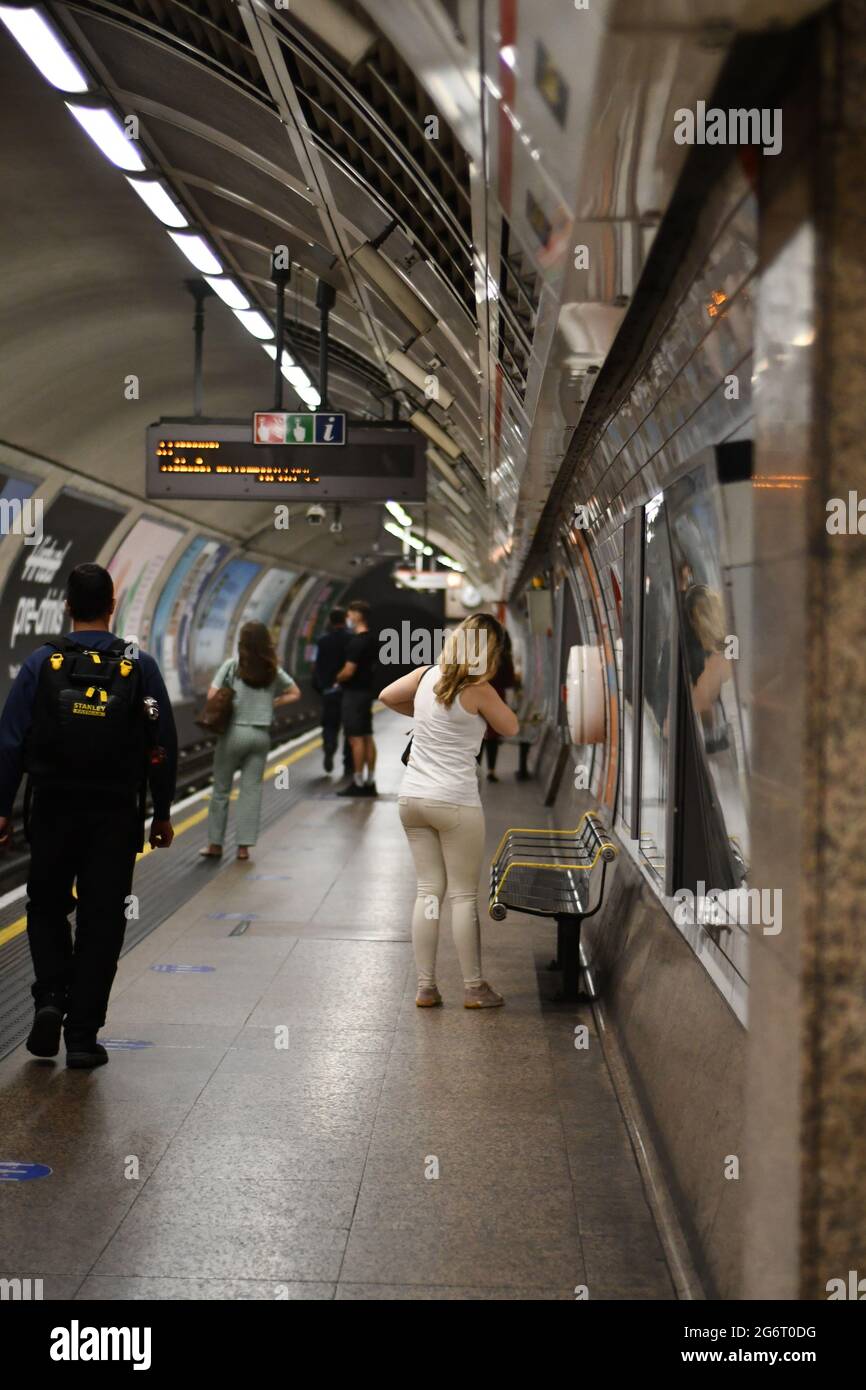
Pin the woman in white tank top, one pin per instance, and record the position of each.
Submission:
(440, 805)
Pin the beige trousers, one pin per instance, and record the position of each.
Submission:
(447, 844)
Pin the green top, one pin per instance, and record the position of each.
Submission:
(252, 706)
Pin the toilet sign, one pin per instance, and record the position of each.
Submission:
(286, 427)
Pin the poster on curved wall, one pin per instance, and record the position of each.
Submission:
(267, 597)
(135, 567)
(74, 530)
(174, 613)
(311, 622)
(215, 625)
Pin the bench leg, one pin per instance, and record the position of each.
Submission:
(568, 953)
(523, 769)
(554, 964)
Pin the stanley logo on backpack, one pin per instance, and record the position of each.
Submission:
(108, 748)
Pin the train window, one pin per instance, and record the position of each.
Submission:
(632, 566)
(711, 650)
(658, 693)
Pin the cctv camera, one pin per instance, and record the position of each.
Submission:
(315, 514)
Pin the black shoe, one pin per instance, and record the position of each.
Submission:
(353, 790)
(83, 1050)
(44, 1039)
(369, 789)
(329, 762)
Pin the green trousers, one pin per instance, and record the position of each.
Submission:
(244, 747)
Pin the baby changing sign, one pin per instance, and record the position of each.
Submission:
(284, 427)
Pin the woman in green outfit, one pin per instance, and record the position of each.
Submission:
(260, 687)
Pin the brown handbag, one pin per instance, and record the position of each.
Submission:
(216, 714)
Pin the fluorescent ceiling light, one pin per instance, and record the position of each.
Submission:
(335, 27)
(44, 48)
(105, 130)
(399, 531)
(197, 252)
(254, 322)
(417, 375)
(399, 513)
(288, 362)
(434, 457)
(394, 288)
(229, 293)
(406, 536)
(151, 192)
(449, 563)
(429, 427)
(295, 375)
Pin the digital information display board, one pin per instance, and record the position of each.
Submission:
(218, 461)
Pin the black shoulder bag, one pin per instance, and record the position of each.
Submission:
(408, 749)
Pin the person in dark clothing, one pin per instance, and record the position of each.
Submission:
(504, 680)
(84, 830)
(330, 658)
(357, 678)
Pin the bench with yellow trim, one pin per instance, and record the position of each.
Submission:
(548, 873)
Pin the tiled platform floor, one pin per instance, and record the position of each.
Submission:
(215, 1164)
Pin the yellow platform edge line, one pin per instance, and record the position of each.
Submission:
(16, 928)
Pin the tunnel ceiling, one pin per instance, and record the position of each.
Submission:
(453, 134)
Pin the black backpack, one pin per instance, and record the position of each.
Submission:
(89, 731)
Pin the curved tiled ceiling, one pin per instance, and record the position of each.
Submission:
(268, 140)
(473, 157)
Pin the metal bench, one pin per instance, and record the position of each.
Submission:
(548, 873)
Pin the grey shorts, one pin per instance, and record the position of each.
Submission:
(358, 713)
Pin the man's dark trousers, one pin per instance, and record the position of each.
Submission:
(91, 843)
(332, 718)
(332, 701)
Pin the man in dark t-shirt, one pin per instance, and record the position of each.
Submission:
(356, 678)
(330, 658)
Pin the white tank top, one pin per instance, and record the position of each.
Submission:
(445, 744)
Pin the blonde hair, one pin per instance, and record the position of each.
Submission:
(707, 617)
(470, 655)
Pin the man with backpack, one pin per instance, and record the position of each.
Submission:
(89, 719)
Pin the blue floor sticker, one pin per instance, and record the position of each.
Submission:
(176, 969)
(134, 1044)
(23, 1172)
(228, 916)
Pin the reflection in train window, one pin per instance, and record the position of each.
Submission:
(711, 648)
(657, 704)
(631, 608)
